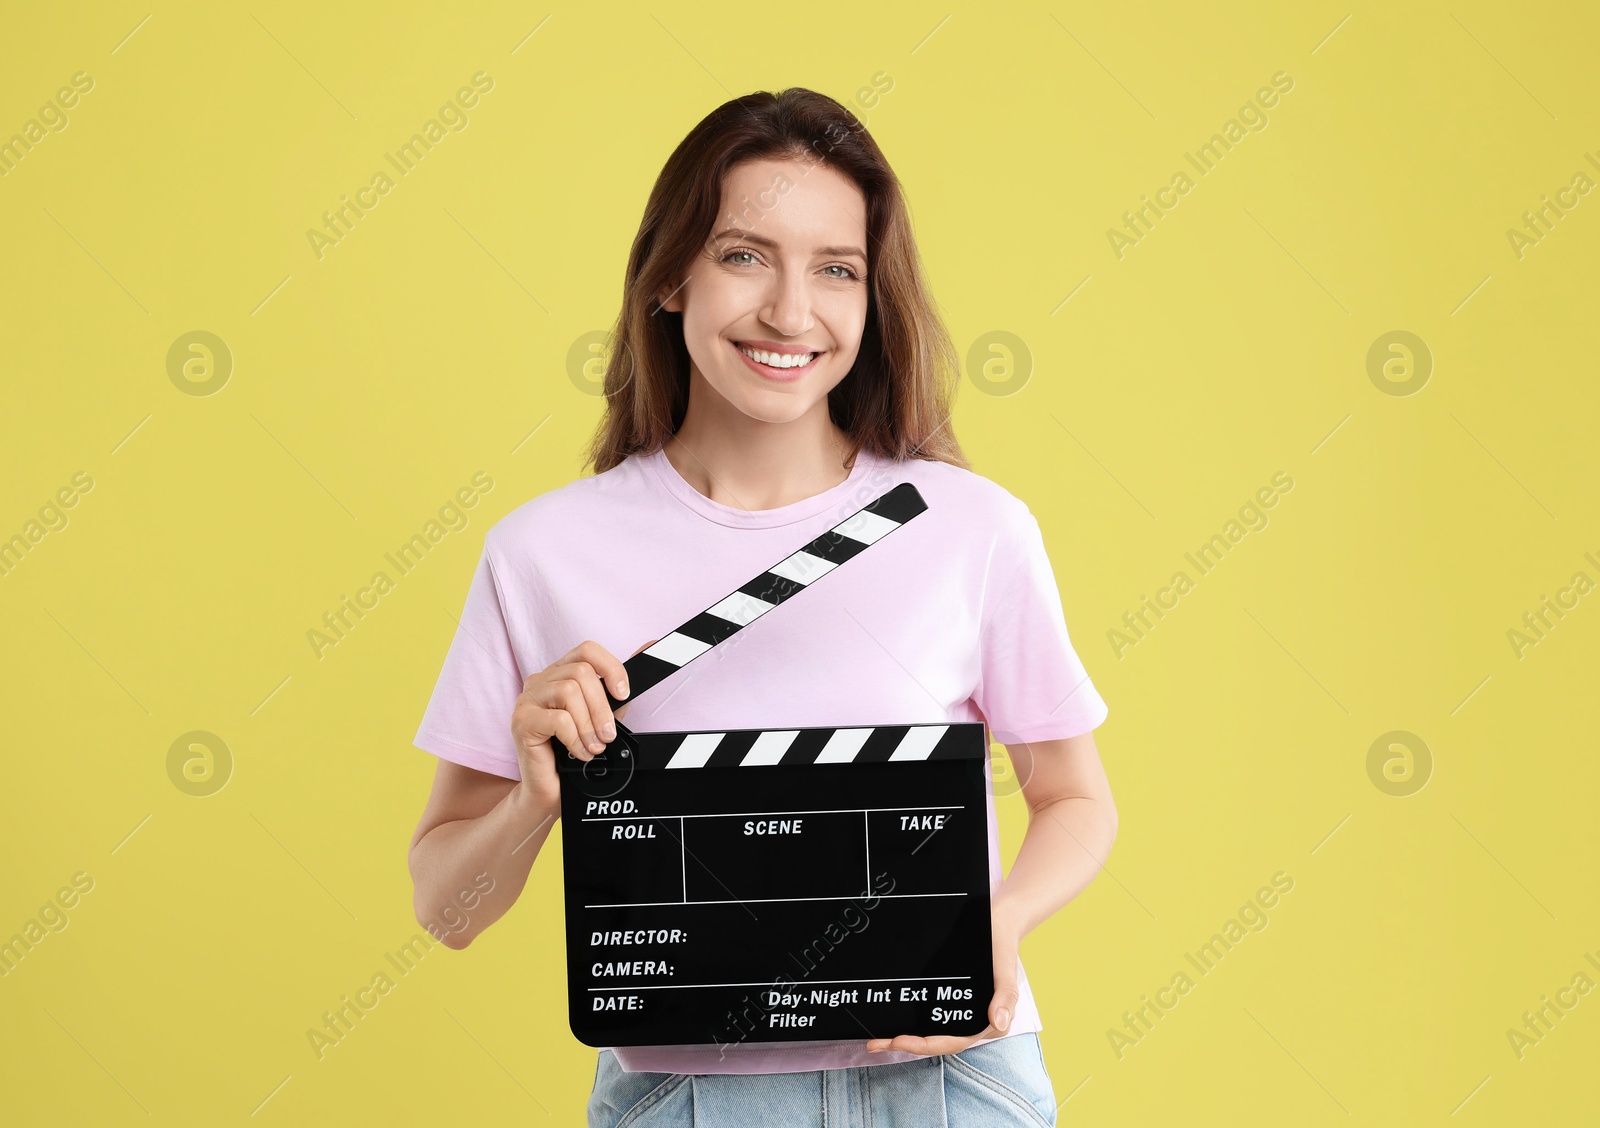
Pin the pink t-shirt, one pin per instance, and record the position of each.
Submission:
(955, 617)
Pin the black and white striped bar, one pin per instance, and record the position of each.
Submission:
(789, 576)
(767, 748)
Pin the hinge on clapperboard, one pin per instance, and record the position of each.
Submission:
(789, 576)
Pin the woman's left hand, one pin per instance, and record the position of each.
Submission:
(1002, 1008)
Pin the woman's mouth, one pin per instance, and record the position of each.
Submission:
(777, 365)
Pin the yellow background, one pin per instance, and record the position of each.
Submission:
(1230, 344)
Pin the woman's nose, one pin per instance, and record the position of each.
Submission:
(788, 309)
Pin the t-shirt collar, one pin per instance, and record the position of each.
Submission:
(660, 467)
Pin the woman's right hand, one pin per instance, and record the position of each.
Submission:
(567, 700)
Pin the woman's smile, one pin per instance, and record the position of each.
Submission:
(779, 363)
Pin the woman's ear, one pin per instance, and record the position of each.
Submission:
(670, 300)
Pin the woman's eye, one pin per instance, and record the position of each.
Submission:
(736, 257)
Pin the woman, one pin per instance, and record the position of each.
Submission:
(777, 365)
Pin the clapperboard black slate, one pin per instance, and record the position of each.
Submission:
(777, 885)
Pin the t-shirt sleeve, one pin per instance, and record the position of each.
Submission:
(468, 718)
(1032, 685)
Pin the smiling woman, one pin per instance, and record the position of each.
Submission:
(766, 214)
(777, 362)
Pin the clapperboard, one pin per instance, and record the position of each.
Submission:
(782, 885)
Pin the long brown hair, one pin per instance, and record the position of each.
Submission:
(896, 399)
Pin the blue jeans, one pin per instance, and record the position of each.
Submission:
(1003, 1082)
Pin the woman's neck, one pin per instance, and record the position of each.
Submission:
(753, 465)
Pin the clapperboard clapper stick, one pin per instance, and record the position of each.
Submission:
(777, 885)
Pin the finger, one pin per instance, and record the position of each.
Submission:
(1003, 1006)
(528, 726)
(622, 710)
(879, 1045)
(594, 696)
(571, 697)
(607, 665)
(560, 725)
(533, 727)
(938, 1044)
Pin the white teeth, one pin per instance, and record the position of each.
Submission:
(777, 360)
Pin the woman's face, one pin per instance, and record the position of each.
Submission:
(784, 277)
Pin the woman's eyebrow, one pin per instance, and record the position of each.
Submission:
(735, 235)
